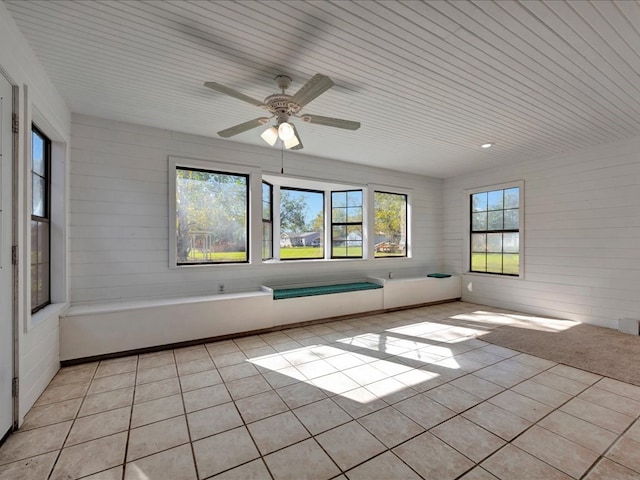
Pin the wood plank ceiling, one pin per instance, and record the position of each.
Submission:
(430, 81)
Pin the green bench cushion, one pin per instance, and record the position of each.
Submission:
(323, 290)
(439, 275)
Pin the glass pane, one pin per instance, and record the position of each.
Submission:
(354, 214)
(43, 242)
(338, 199)
(479, 242)
(301, 224)
(267, 241)
(338, 215)
(479, 202)
(511, 242)
(43, 278)
(479, 262)
(494, 242)
(390, 224)
(512, 219)
(266, 201)
(38, 193)
(495, 220)
(495, 200)
(512, 197)
(211, 217)
(511, 264)
(37, 154)
(354, 199)
(35, 284)
(35, 252)
(494, 263)
(479, 221)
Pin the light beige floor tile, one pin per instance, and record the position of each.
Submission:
(300, 394)
(156, 410)
(51, 413)
(350, 444)
(390, 426)
(511, 365)
(270, 362)
(579, 431)
(391, 390)
(304, 460)
(220, 348)
(210, 421)
(477, 386)
(499, 376)
(344, 361)
(608, 470)
(274, 338)
(627, 453)
(111, 474)
(66, 376)
(236, 372)
(255, 470)
(432, 458)
(284, 377)
(157, 359)
(601, 416)
(228, 359)
(99, 425)
(195, 366)
(110, 361)
(260, 352)
(90, 457)
(512, 463)
(156, 437)
(60, 393)
(478, 473)
(520, 405)
(320, 416)
(224, 451)
(468, 438)
(557, 451)
(383, 467)
(620, 388)
(534, 361)
(359, 402)
(250, 342)
(200, 380)
(276, 432)
(612, 401)
(424, 411)
(188, 354)
(335, 383)
(576, 374)
(541, 393)
(34, 468)
(245, 387)
(176, 464)
(34, 442)
(365, 374)
(634, 432)
(497, 420)
(113, 382)
(155, 374)
(102, 402)
(205, 397)
(260, 406)
(453, 397)
(108, 369)
(558, 382)
(500, 351)
(155, 390)
(315, 369)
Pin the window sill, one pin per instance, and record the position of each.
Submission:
(41, 316)
(493, 275)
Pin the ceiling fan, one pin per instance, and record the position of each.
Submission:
(282, 107)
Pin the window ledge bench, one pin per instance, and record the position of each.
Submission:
(89, 331)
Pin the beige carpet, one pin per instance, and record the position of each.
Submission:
(595, 349)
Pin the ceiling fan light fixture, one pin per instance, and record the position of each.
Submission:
(285, 132)
(292, 142)
(487, 145)
(270, 135)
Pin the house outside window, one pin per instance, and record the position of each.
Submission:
(495, 219)
(211, 217)
(346, 224)
(40, 220)
(390, 224)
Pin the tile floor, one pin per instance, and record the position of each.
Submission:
(404, 395)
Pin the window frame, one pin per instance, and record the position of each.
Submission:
(324, 222)
(347, 224)
(46, 217)
(267, 222)
(468, 229)
(407, 211)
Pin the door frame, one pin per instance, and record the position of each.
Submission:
(15, 249)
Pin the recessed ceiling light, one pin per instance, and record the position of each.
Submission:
(487, 145)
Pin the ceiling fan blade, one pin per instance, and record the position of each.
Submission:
(233, 93)
(299, 146)
(243, 127)
(331, 122)
(312, 89)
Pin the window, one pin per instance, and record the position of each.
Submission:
(40, 219)
(346, 224)
(495, 231)
(390, 213)
(211, 217)
(267, 221)
(301, 224)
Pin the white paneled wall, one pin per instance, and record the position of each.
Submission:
(119, 232)
(581, 241)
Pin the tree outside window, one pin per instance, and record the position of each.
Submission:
(390, 224)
